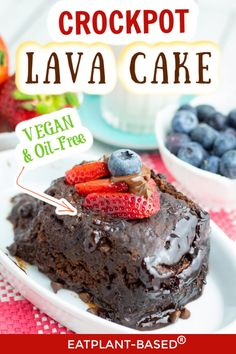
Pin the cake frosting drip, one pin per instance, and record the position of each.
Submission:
(138, 183)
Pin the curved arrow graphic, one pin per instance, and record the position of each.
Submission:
(63, 207)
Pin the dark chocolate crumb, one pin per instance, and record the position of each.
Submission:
(25, 210)
(85, 297)
(105, 248)
(174, 316)
(56, 286)
(185, 314)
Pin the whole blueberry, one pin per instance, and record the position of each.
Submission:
(204, 135)
(211, 164)
(230, 131)
(188, 107)
(124, 162)
(203, 111)
(192, 153)
(231, 119)
(184, 122)
(175, 141)
(223, 143)
(228, 164)
(217, 121)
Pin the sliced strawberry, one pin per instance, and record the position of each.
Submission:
(125, 205)
(101, 186)
(87, 172)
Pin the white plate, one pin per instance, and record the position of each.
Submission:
(214, 312)
(8, 141)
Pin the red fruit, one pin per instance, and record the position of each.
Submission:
(11, 110)
(101, 186)
(16, 106)
(3, 61)
(125, 205)
(87, 172)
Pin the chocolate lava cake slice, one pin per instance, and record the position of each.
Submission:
(139, 273)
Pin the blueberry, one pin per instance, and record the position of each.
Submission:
(223, 143)
(203, 111)
(124, 162)
(228, 164)
(211, 164)
(204, 135)
(230, 131)
(231, 119)
(175, 141)
(184, 122)
(216, 120)
(192, 153)
(188, 107)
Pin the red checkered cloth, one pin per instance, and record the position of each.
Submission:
(17, 315)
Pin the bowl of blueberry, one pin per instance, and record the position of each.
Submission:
(197, 142)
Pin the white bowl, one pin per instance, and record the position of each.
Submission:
(208, 189)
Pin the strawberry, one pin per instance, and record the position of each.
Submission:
(125, 205)
(101, 186)
(15, 106)
(11, 111)
(87, 172)
(3, 62)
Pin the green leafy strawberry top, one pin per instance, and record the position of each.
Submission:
(43, 104)
(2, 58)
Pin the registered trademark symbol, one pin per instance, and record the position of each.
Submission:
(181, 340)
